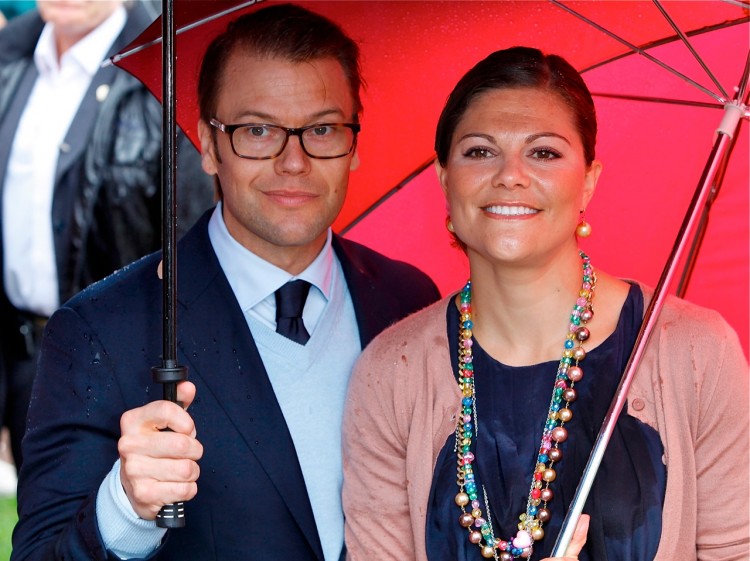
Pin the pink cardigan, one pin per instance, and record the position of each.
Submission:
(692, 387)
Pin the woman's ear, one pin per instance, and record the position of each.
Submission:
(441, 174)
(589, 182)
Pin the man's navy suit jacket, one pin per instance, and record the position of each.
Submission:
(96, 359)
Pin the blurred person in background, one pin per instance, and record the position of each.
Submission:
(80, 172)
(11, 8)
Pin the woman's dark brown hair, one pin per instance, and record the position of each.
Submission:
(520, 67)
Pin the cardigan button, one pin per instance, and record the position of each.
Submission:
(638, 404)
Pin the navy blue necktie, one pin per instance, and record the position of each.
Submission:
(290, 301)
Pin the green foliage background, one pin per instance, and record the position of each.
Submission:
(8, 518)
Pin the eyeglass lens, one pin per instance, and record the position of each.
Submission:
(267, 141)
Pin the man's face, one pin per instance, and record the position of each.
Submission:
(76, 17)
(280, 209)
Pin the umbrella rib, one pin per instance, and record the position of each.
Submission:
(738, 3)
(638, 50)
(383, 198)
(218, 15)
(689, 46)
(118, 57)
(660, 100)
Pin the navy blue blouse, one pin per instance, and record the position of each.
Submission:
(625, 502)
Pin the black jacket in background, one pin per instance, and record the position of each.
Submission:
(107, 205)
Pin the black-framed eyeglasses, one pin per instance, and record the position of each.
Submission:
(261, 141)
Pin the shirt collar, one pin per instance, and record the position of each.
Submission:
(252, 278)
(88, 53)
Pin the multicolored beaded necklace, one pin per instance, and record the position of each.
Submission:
(568, 373)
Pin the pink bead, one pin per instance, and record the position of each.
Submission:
(474, 504)
(586, 286)
(469, 456)
(560, 434)
(467, 343)
(581, 301)
(479, 522)
(522, 539)
(561, 384)
(575, 373)
(467, 418)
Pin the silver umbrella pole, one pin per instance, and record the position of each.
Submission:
(733, 112)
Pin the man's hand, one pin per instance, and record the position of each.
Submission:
(159, 467)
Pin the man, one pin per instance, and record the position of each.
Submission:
(80, 173)
(260, 442)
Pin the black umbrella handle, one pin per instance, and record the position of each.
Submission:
(170, 373)
(171, 515)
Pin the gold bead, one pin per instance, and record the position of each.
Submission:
(565, 415)
(583, 230)
(579, 353)
(462, 499)
(488, 552)
(466, 519)
(549, 475)
(537, 534)
(476, 513)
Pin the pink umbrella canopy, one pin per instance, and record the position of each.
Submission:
(413, 53)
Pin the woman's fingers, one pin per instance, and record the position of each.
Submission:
(577, 541)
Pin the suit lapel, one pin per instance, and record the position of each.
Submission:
(374, 307)
(78, 136)
(219, 349)
(8, 126)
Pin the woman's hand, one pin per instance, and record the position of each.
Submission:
(576, 542)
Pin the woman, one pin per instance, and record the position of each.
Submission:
(469, 424)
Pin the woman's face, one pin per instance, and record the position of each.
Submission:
(516, 177)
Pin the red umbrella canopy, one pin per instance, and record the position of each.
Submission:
(653, 156)
(413, 52)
